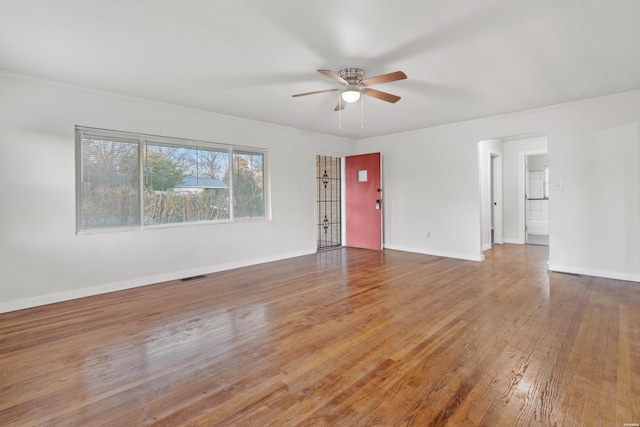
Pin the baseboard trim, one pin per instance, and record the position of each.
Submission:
(596, 273)
(40, 300)
(455, 255)
(24, 303)
(514, 241)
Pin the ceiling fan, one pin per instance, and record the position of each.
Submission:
(354, 85)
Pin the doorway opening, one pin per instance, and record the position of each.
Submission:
(536, 190)
(490, 158)
(328, 202)
(506, 213)
(496, 197)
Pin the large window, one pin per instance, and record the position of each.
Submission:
(132, 180)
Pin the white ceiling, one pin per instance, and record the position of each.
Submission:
(464, 59)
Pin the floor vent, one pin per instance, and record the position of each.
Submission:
(569, 274)
(189, 279)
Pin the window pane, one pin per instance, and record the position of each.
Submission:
(248, 185)
(109, 191)
(184, 184)
(127, 179)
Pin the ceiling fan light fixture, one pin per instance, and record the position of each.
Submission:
(354, 86)
(351, 94)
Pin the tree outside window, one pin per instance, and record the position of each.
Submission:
(134, 181)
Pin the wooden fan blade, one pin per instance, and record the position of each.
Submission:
(385, 78)
(340, 106)
(313, 93)
(382, 95)
(333, 76)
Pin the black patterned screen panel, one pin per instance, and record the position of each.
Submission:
(329, 200)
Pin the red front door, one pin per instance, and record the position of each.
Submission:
(363, 201)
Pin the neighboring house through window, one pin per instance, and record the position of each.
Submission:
(130, 180)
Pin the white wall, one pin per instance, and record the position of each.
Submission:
(431, 183)
(42, 259)
(430, 186)
(597, 212)
(537, 162)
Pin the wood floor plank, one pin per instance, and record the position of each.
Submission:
(344, 337)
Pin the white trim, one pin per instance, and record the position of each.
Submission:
(562, 105)
(597, 273)
(142, 141)
(522, 179)
(490, 190)
(495, 157)
(455, 255)
(39, 80)
(40, 300)
(343, 199)
(484, 119)
(514, 241)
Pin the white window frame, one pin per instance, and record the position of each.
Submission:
(142, 140)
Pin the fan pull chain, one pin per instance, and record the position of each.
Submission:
(339, 112)
(361, 112)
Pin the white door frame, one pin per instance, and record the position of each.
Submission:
(490, 159)
(495, 159)
(522, 181)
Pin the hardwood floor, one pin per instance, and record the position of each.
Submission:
(345, 337)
